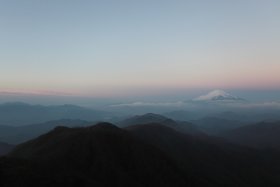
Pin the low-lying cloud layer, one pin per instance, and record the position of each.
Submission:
(193, 104)
(213, 99)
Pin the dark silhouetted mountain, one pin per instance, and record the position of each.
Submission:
(20, 134)
(213, 125)
(100, 155)
(18, 114)
(182, 126)
(211, 161)
(147, 118)
(264, 135)
(5, 148)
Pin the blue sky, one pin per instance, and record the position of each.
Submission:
(125, 48)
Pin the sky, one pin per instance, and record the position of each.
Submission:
(109, 48)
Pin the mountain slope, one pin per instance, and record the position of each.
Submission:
(213, 161)
(5, 148)
(100, 155)
(261, 135)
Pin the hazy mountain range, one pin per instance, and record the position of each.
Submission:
(18, 114)
(217, 103)
(211, 125)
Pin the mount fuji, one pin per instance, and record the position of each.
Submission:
(218, 95)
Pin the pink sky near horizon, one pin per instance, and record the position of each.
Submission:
(141, 48)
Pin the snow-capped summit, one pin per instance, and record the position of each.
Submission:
(217, 95)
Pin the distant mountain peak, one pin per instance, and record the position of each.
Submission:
(146, 119)
(217, 95)
(151, 117)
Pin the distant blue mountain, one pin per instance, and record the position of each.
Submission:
(17, 113)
